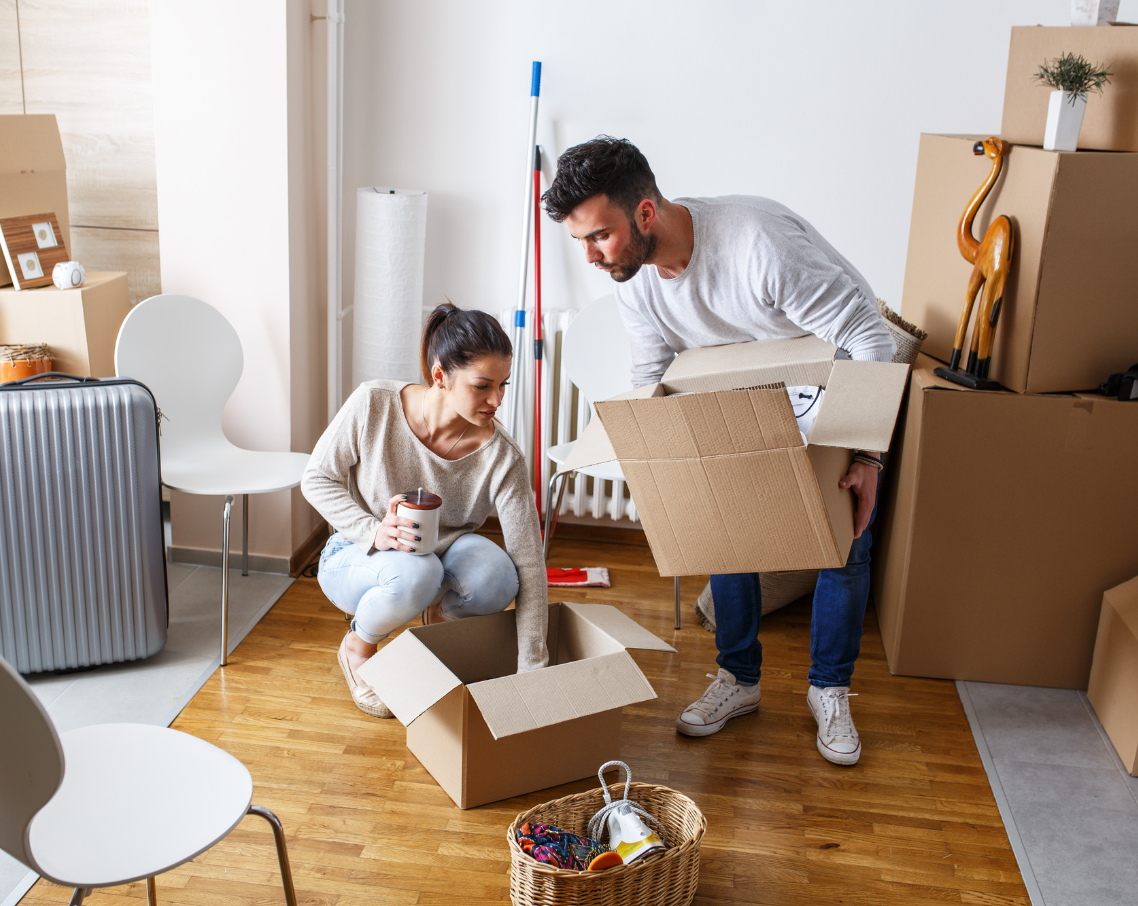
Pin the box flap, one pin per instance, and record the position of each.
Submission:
(801, 361)
(860, 405)
(619, 627)
(408, 677)
(30, 143)
(541, 698)
(1124, 599)
(693, 426)
(593, 446)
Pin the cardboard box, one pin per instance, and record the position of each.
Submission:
(1068, 319)
(80, 326)
(486, 733)
(1005, 517)
(713, 457)
(1113, 689)
(33, 173)
(1111, 120)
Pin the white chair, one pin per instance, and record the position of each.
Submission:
(597, 356)
(116, 803)
(190, 357)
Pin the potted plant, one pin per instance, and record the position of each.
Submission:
(1072, 76)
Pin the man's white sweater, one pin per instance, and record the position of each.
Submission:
(758, 271)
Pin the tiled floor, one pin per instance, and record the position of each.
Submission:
(1063, 793)
(154, 691)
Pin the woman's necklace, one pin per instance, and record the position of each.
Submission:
(423, 418)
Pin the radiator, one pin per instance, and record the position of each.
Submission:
(564, 414)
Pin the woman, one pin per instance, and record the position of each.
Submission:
(391, 438)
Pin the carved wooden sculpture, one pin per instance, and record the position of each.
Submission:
(992, 259)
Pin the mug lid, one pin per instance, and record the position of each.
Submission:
(422, 501)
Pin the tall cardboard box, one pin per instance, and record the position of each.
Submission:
(33, 173)
(1069, 318)
(486, 733)
(80, 326)
(1006, 517)
(722, 478)
(1111, 120)
(1113, 689)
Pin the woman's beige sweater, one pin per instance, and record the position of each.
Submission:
(369, 454)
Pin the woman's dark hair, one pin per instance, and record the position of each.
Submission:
(454, 338)
(606, 165)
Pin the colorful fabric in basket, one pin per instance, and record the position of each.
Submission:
(561, 849)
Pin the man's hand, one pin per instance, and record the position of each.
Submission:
(862, 480)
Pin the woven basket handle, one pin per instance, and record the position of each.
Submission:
(605, 787)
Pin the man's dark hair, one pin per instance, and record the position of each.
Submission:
(604, 166)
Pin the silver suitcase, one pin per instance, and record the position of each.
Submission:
(82, 555)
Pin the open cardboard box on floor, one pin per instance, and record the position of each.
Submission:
(33, 173)
(487, 733)
(1005, 517)
(714, 459)
(1111, 120)
(1113, 689)
(1068, 320)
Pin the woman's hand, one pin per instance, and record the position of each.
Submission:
(395, 532)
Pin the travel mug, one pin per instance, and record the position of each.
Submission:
(422, 507)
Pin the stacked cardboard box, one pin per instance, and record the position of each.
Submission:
(1009, 511)
(79, 325)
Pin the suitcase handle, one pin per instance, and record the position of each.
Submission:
(57, 375)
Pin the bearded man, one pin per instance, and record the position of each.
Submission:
(700, 272)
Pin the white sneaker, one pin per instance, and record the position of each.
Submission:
(723, 700)
(837, 736)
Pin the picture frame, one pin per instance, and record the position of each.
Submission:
(32, 245)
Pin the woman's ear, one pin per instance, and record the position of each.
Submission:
(438, 376)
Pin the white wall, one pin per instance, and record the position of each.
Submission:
(817, 104)
(222, 137)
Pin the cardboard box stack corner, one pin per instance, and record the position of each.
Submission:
(1004, 518)
(486, 733)
(1005, 513)
(1113, 689)
(79, 326)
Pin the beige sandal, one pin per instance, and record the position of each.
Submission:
(366, 699)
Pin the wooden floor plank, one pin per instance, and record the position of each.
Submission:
(914, 822)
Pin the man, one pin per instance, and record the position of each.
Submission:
(730, 270)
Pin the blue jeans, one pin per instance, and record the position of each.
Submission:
(835, 623)
(384, 589)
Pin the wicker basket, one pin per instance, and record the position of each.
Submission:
(908, 337)
(669, 879)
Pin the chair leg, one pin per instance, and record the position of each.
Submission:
(282, 850)
(77, 896)
(225, 579)
(677, 602)
(553, 509)
(151, 892)
(244, 534)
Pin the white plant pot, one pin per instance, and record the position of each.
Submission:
(1063, 122)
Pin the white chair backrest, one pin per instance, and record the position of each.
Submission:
(31, 762)
(596, 352)
(189, 356)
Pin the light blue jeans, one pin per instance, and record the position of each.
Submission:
(384, 589)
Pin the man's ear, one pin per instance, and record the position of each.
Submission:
(646, 214)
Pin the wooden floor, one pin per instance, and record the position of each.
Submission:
(914, 822)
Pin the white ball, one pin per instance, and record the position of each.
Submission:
(68, 274)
